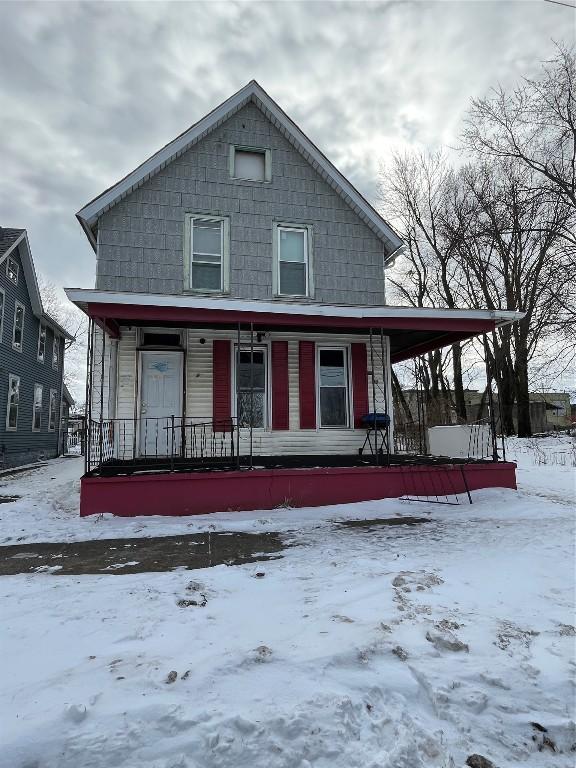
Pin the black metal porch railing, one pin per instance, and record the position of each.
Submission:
(163, 440)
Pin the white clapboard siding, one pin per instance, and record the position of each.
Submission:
(265, 442)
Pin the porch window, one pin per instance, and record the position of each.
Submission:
(12, 270)
(293, 268)
(52, 411)
(13, 403)
(252, 388)
(333, 387)
(208, 246)
(41, 343)
(18, 330)
(37, 408)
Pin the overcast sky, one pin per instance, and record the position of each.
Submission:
(89, 90)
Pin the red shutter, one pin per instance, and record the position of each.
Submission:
(221, 386)
(280, 385)
(359, 383)
(307, 376)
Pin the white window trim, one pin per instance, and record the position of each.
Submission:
(52, 411)
(2, 291)
(225, 262)
(43, 358)
(347, 369)
(56, 345)
(265, 347)
(243, 148)
(11, 378)
(41, 388)
(15, 346)
(278, 228)
(9, 261)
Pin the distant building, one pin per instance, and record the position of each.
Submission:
(31, 359)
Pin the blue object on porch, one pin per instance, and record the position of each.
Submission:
(376, 420)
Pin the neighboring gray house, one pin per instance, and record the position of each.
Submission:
(31, 359)
(239, 306)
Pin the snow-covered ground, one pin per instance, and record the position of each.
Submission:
(396, 647)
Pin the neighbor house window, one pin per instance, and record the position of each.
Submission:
(12, 270)
(52, 411)
(333, 387)
(18, 330)
(13, 403)
(37, 408)
(41, 343)
(252, 387)
(250, 164)
(56, 352)
(2, 301)
(293, 261)
(207, 253)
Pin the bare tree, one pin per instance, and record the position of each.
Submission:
(535, 125)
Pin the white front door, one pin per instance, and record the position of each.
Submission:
(161, 387)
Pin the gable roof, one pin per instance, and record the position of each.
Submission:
(10, 240)
(254, 93)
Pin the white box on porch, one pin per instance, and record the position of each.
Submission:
(460, 441)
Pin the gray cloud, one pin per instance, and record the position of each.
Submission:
(89, 90)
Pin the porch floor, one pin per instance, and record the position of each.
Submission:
(153, 465)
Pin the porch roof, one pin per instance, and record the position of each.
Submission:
(412, 330)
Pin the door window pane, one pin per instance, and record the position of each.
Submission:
(333, 385)
(252, 388)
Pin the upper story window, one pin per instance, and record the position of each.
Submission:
(293, 261)
(12, 270)
(52, 411)
(41, 343)
(18, 330)
(207, 248)
(250, 163)
(37, 408)
(56, 352)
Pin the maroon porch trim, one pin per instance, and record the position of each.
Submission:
(307, 384)
(280, 391)
(359, 382)
(222, 385)
(198, 493)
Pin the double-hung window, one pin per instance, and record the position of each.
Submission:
(52, 411)
(333, 399)
(41, 343)
(37, 408)
(56, 352)
(252, 387)
(18, 329)
(293, 260)
(13, 403)
(207, 249)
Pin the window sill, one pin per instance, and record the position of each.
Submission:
(205, 292)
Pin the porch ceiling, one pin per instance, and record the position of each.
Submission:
(412, 330)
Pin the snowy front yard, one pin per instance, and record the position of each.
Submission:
(405, 646)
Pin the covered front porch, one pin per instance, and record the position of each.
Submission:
(204, 404)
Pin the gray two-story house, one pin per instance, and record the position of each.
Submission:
(239, 322)
(31, 359)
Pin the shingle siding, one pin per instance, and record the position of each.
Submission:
(141, 238)
(24, 445)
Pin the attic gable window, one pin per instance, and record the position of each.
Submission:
(12, 270)
(250, 164)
